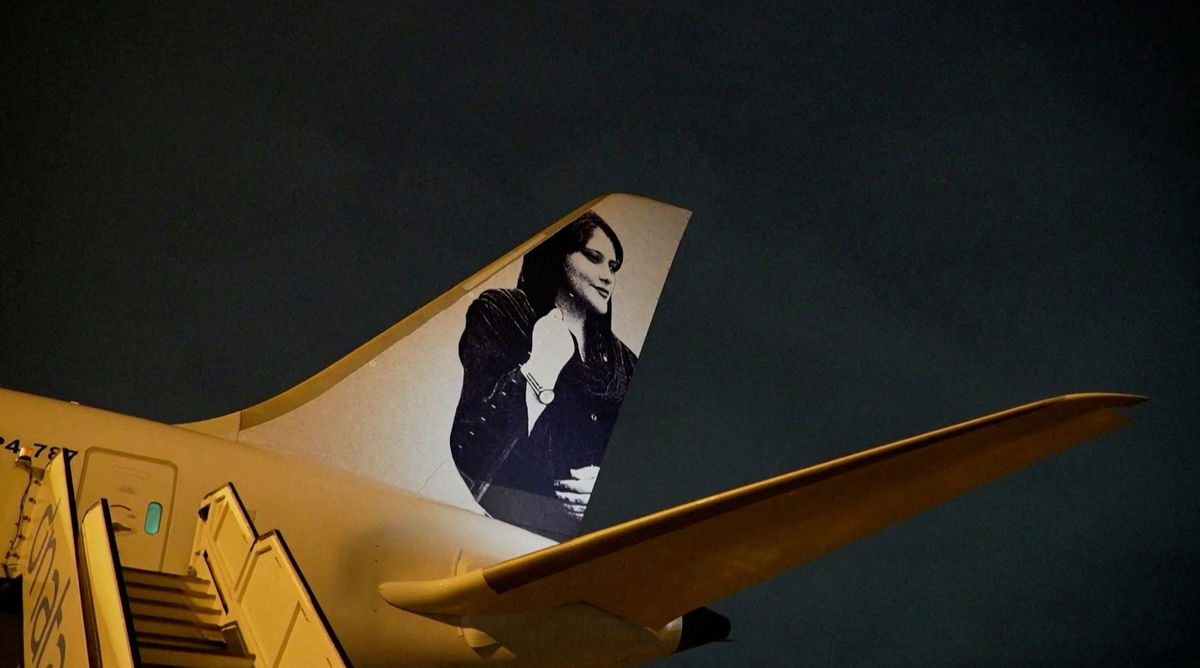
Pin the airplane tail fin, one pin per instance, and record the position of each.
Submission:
(655, 568)
(500, 395)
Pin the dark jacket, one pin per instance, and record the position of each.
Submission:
(509, 471)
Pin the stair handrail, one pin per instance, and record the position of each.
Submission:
(317, 625)
(223, 539)
(100, 566)
(229, 548)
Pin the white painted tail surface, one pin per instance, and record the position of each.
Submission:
(388, 409)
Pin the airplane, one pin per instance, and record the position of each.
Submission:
(421, 498)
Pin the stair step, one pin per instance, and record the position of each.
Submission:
(179, 641)
(171, 595)
(155, 654)
(172, 610)
(143, 623)
(187, 583)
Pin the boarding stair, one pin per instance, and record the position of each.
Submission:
(242, 603)
(177, 621)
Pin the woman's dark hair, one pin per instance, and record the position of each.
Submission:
(542, 269)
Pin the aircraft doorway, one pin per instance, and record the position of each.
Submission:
(141, 495)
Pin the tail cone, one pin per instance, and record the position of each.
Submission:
(702, 626)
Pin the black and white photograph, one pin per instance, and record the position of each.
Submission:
(543, 380)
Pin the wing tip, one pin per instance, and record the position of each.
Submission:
(1106, 399)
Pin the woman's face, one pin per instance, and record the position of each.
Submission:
(591, 272)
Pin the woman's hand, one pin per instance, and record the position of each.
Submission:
(551, 349)
(576, 491)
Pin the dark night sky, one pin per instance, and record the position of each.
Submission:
(905, 217)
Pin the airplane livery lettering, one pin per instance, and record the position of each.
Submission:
(52, 605)
(39, 449)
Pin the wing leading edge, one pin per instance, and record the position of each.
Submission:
(655, 568)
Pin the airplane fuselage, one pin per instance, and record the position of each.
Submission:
(349, 534)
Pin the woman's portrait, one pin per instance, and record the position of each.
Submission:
(543, 380)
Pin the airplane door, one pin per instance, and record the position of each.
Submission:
(140, 492)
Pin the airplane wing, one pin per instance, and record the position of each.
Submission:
(657, 567)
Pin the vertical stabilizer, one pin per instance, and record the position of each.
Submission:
(500, 395)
